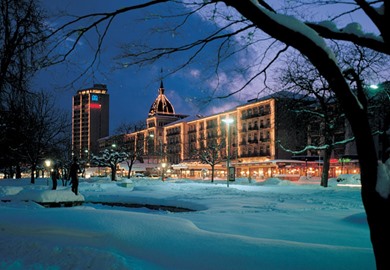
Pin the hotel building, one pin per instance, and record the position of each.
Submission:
(90, 120)
(259, 129)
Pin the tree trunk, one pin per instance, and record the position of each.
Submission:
(385, 138)
(377, 208)
(212, 173)
(11, 172)
(130, 165)
(18, 172)
(113, 173)
(326, 166)
(33, 168)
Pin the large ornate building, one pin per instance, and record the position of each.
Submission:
(260, 132)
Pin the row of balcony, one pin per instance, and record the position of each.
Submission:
(250, 128)
(173, 132)
(256, 154)
(255, 141)
(256, 127)
(254, 115)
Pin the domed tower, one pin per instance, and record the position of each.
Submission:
(161, 106)
(162, 112)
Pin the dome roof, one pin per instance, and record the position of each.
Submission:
(161, 105)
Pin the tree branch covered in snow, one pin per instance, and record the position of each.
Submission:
(109, 158)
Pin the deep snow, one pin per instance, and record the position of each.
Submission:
(260, 225)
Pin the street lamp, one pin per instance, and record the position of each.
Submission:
(48, 164)
(150, 145)
(228, 121)
(163, 165)
(378, 89)
(86, 156)
(161, 146)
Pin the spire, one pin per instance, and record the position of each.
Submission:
(161, 105)
(161, 90)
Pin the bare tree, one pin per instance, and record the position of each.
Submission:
(325, 121)
(44, 127)
(210, 153)
(306, 38)
(22, 36)
(309, 39)
(133, 154)
(325, 117)
(125, 128)
(378, 109)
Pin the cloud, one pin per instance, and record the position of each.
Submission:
(222, 107)
(224, 84)
(195, 73)
(246, 54)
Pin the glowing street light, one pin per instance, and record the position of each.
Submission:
(163, 165)
(87, 156)
(374, 86)
(380, 89)
(228, 121)
(161, 146)
(383, 87)
(48, 164)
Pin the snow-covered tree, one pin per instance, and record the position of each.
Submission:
(109, 158)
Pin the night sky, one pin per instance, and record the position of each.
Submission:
(133, 89)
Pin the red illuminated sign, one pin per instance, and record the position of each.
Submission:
(95, 106)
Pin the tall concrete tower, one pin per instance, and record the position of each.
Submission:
(90, 120)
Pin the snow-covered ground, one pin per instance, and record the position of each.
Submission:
(260, 225)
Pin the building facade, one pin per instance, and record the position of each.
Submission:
(90, 120)
(253, 144)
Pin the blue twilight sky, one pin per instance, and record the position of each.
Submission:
(133, 89)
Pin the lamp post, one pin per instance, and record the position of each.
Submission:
(48, 164)
(149, 149)
(86, 157)
(161, 145)
(161, 150)
(163, 165)
(228, 121)
(380, 88)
